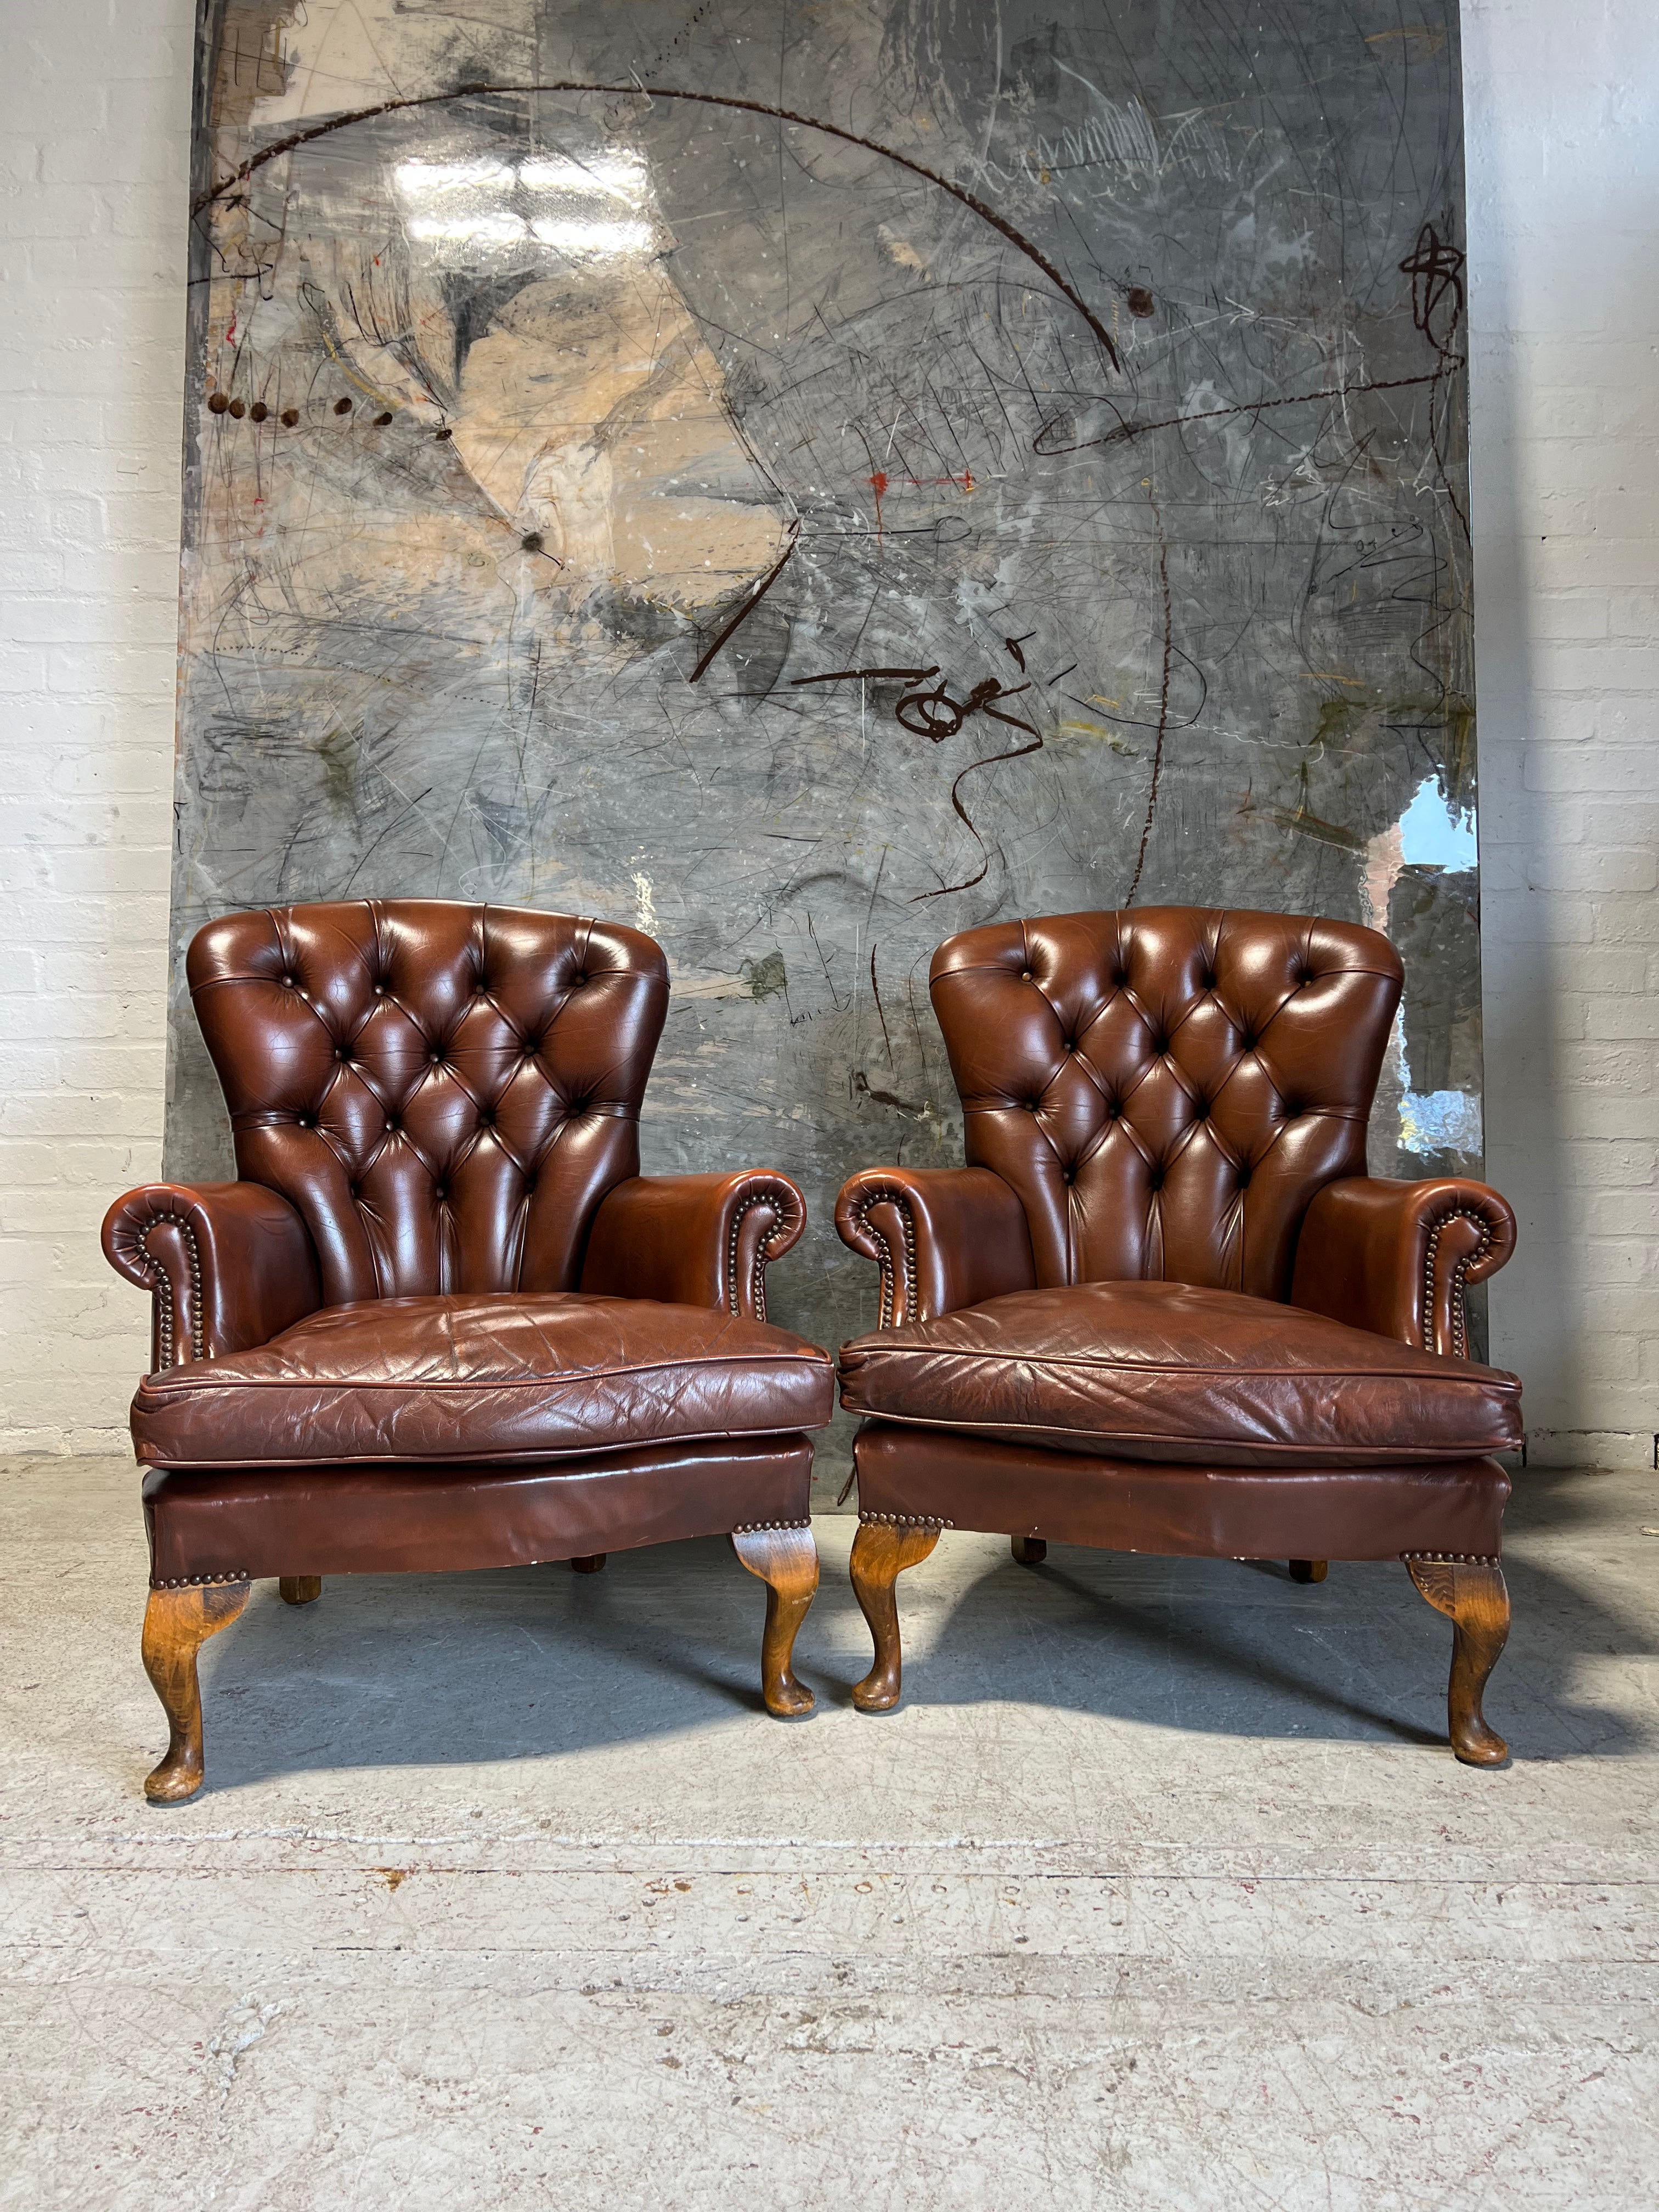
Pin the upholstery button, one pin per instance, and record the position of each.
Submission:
(343, 1051)
(1034, 1105)
(1025, 976)
(441, 1194)
(1071, 1044)
(392, 1125)
(305, 1121)
(379, 990)
(287, 982)
(1068, 1175)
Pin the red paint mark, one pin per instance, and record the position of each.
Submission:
(878, 484)
(230, 335)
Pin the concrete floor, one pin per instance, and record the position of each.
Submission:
(1162, 1888)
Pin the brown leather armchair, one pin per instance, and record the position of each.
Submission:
(1164, 1308)
(441, 1320)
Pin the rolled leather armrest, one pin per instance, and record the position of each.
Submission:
(1396, 1258)
(943, 1237)
(694, 1240)
(229, 1265)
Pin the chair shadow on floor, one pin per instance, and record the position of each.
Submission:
(533, 1663)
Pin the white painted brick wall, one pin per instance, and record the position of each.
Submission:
(1563, 104)
(94, 121)
(1562, 101)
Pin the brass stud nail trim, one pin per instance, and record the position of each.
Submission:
(199, 1582)
(161, 1291)
(1458, 1301)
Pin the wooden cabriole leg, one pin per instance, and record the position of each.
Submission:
(301, 1589)
(178, 1622)
(1472, 1592)
(1309, 1571)
(1028, 1551)
(881, 1552)
(591, 1565)
(786, 1561)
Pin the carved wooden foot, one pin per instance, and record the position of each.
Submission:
(1472, 1592)
(786, 1561)
(1028, 1551)
(590, 1565)
(301, 1589)
(177, 1624)
(1309, 1571)
(881, 1552)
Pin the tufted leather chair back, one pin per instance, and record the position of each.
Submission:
(444, 1092)
(1167, 1088)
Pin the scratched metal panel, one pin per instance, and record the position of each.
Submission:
(575, 390)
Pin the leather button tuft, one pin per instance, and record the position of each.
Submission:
(441, 1194)
(1025, 976)
(287, 982)
(1068, 1175)
(379, 990)
(392, 1125)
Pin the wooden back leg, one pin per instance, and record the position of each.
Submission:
(1473, 1594)
(177, 1624)
(1308, 1571)
(301, 1589)
(881, 1552)
(786, 1561)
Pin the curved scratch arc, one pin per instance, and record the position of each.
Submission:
(634, 89)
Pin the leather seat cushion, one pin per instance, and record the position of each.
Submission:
(493, 1377)
(1155, 1371)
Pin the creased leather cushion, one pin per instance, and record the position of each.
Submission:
(1166, 1372)
(494, 1377)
